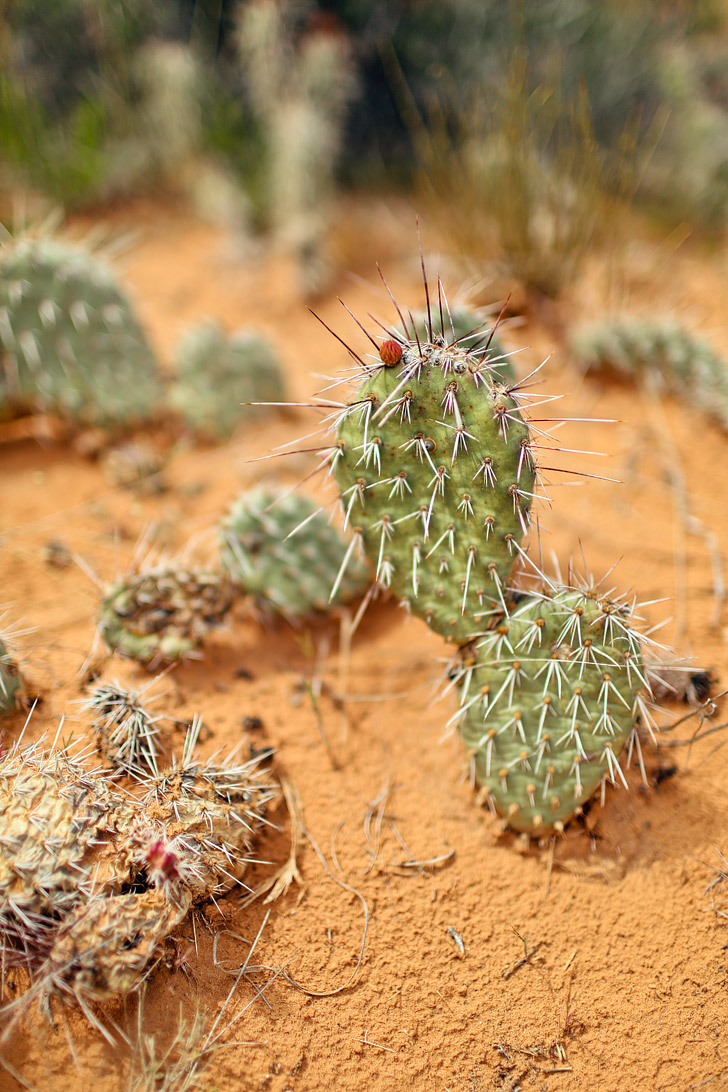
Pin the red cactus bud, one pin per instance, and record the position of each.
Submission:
(162, 860)
(390, 352)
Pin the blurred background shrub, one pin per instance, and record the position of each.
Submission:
(101, 99)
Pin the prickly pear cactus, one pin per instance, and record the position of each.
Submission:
(633, 347)
(434, 467)
(126, 732)
(312, 570)
(92, 881)
(71, 344)
(548, 699)
(54, 816)
(217, 374)
(163, 614)
(10, 682)
(212, 811)
(106, 945)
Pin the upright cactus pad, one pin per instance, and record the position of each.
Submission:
(633, 347)
(434, 467)
(217, 375)
(70, 342)
(548, 699)
(292, 576)
(163, 614)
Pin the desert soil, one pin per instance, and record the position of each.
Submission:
(597, 961)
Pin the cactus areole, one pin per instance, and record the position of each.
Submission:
(435, 472)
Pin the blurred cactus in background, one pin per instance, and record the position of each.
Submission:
(218, 375)
(658, 349)
(300, 87)
(70, 340)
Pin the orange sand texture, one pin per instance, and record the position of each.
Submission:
(596, 962)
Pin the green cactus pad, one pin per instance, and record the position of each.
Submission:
(632, 347)
(71, 344)
(163, 614)
(292, 576)
(435, 473)
(217, 375)
(548, 700)
(10, 682)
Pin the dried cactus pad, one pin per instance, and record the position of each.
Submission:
(163, 614)
(293, 576)
(435, 473)
(217, 375)
(10, 684)
(92, 881)
(71, 343)
(54, 819)
(548, 700)
(108, 944)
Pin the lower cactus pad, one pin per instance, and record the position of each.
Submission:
(548, 700)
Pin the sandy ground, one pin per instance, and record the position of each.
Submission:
(597, 961)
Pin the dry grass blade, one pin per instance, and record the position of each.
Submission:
(518, 172)
(352, 890)
(279, 883)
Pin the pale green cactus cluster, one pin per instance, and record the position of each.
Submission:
(435, 465)
(219, 378)
(93, 880)
(11, 686)
(636, 347)
(282, 550)
(278, 551)
(70, 343)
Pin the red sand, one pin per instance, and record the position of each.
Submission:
(596, 962)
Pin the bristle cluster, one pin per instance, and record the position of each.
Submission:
(218, 376)
(548, 699)
(282, 550)
(125, 729)
(163, 614)
(71, 343)
(434, 467)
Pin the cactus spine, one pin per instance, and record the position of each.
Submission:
(10, 682)
(125, 729)
(71, 344)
